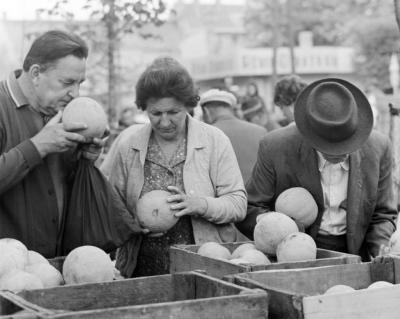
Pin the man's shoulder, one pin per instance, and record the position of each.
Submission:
(377, 141)
(236, 124)
(285, 137)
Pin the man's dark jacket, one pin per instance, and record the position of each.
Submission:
(286, 160)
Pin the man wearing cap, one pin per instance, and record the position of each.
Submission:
(217, 108)
(333, 152)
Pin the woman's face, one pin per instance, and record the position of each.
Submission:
(167, 117)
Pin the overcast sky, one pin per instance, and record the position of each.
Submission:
(26, 9)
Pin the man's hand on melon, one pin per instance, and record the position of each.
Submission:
(54, 137)
(185, 204)
(94, 147)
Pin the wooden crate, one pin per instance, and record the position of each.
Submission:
(298, 293)
(12, 306)
(185, 258)
(185, 295)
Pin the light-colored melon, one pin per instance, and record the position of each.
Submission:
(36, 258)
(339, 289)
(87, 264)
(255, 257)
(19, 280)
(239, 261)
(296, 247)
(49, 275)
(298, 203)
(154, 212)
(237, 253)
(214, 250)
(379, 284)
(271, 229)
(13, 255)
(394, 243)
(88, 111)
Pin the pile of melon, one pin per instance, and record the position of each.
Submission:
(23, 269)
(340, 289)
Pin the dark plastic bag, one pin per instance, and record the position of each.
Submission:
(96, 214)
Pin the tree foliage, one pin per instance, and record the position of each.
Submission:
(367, 25)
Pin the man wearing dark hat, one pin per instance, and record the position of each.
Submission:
(334, 154)
(217, 107)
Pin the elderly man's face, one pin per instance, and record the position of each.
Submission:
(59, 84)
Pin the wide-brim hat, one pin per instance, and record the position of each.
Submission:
(334, 116)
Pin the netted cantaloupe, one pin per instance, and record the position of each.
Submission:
(380, 284)
(296, 247)
(87, 264)
(271, 229)
(255, 257)
(13, 255)
(299, 204)
(48, 274)
(238, 252)
(36, 258)
(154, 212)
(339, 289)
(18, 280)
(214, 250)
(88, 111)
(394, 243)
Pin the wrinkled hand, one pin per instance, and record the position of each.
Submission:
(93, 148)
(55, 138)
(185, 204)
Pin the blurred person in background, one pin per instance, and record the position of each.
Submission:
(254, 109)
(217, 107)
(37, 152)
(285, 94)
(192, 160)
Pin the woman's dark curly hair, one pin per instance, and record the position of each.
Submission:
(163, 78)
(287, 89)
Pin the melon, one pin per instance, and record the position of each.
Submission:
(214, 250)
(238, 252)
(299, 204)
(19, 280)
(87, 264)
(154, 212)
(255, 257)
(88, 111)
(271, 229)
(49, 275)
(13, 255)
(36, 258)
(296, 247)
(379, 284)
(394, 243)
(239, 261)
(339, 289)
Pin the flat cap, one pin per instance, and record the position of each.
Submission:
(216, 95)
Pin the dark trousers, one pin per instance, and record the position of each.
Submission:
(331, 242)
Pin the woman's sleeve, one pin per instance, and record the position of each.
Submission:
(230, 201)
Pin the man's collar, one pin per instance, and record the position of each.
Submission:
(15, 90)
(322, 162)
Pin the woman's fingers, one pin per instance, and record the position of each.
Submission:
(175, 190)
(176, 198)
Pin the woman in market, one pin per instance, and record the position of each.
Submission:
(174, 152)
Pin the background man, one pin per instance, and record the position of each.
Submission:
(334, 154)
(218, 109)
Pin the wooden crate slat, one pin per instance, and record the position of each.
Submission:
(185, 258)
(232, 307)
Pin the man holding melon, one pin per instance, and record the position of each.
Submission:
(36, 148)
(332, 153)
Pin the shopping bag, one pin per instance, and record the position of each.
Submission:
(96, 214)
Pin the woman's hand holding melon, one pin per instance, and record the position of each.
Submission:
(186, 204)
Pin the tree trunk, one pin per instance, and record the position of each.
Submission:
(112, 78)
(397, 12)
(274, 50)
